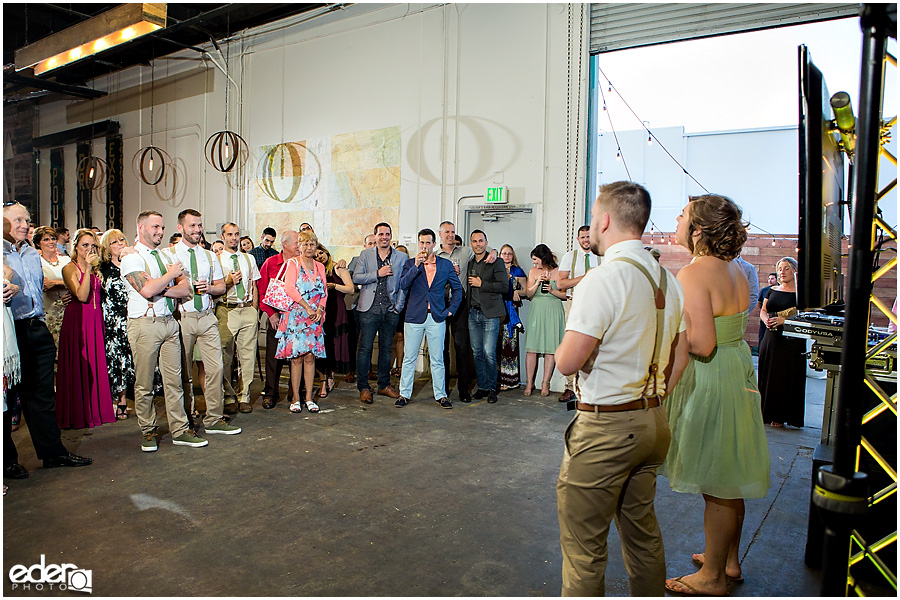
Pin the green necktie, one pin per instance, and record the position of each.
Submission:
(587, 263)
(162, 271)
(198, 300)
(239, 288)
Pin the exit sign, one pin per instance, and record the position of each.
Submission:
(497, 195)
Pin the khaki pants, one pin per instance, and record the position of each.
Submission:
(202, 329)
(238, 329)
(609, 471)
(154, 340)
(567, 306)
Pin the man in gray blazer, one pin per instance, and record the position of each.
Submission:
(377, 272)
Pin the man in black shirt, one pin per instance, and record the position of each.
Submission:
(487, 284)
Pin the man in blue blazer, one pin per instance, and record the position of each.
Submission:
(424, 280)
(377, 272)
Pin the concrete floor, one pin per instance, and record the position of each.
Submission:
(364, 501)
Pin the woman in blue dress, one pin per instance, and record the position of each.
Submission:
(301, 336)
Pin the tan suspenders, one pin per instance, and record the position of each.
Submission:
(659, 294)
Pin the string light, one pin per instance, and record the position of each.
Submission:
(151, 163)
(604, 106)
(649, 140)
(619, 155)
(610, 85)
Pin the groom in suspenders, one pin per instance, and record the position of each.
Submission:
(572, 269)
(237, 315)
(198, 322)
(620, 434)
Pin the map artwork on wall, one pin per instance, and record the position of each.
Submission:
(342, 185)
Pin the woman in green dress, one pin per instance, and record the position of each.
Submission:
(719, 447)
(546, 317)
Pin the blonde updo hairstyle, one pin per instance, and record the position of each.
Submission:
(722, 231)
(108, 238)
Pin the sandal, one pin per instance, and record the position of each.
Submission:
(699, 559)
(296, 407)
(396, 372)
(312, 406)
(121, 411)
(331, 383)
(545, 388)
(528, 389)
(323, 391)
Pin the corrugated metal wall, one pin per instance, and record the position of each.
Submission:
(620, 26)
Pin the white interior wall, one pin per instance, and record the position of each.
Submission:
(479, 92)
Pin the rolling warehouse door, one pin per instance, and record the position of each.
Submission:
(620, 26)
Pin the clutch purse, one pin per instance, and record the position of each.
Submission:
(276, 296)
(788, 312)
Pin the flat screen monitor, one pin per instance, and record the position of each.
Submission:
(819, 282)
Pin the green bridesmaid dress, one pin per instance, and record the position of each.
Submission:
(719, 444)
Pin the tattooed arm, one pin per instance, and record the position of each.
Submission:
(148, 288)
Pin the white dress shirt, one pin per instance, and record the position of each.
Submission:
(577, 254)
(207, 267)
(615, 304)
(143, 261)
(249, 275)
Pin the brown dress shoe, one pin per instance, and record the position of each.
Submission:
(231, 408)
(389, 391)
(268, 403)
(567, 395)
(365, 396)
(245, 407)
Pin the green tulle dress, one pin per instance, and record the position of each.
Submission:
(719, 444)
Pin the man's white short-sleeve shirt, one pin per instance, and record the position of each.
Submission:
(249, 272)
(616, 305)
(576, 257)
(144, 262)
(211, 270)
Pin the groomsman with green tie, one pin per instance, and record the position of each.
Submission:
(237, 315)
(199, 325)
(572, 269)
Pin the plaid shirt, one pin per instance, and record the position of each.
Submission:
(262, 255)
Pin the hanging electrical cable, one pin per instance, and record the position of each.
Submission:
(650, 134)
(613, 128)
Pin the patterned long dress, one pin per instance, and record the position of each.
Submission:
(296, 333)
(115, 319)
(508, 345)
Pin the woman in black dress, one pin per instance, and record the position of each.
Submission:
(115, 313)
(782, 365)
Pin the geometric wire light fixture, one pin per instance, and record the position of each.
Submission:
(149, 163)
(92, 173)
(225, 150)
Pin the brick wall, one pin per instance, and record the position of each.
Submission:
(760, 252)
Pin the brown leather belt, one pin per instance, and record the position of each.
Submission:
(636, 405)
(236, 304)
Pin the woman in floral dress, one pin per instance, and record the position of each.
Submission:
(56, 296)
(300, 335)
(115, 313)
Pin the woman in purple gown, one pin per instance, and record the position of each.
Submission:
(83, 398)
